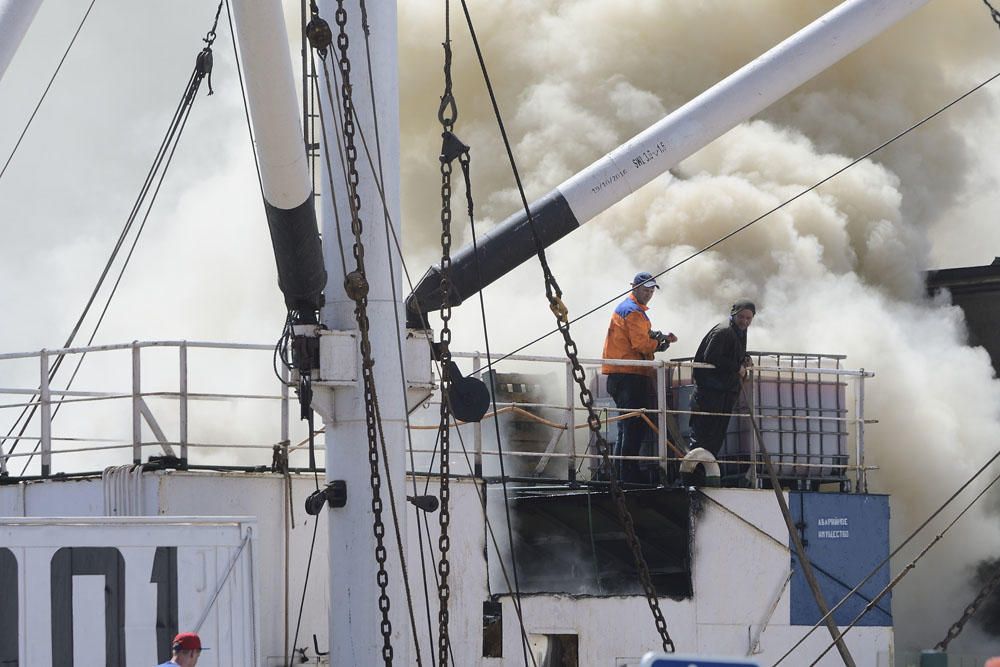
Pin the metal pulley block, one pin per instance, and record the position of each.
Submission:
(319, 34)
(468, 397)
(356, 285)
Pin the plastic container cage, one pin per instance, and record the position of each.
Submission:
(801, 416)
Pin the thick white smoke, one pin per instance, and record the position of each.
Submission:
(837, 271)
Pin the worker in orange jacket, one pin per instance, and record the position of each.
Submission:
(631, 336)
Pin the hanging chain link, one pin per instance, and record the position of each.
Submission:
(993, 12)
(447, 113)
(956, 629)
(444, 514)
(554, 295)
(356, 286)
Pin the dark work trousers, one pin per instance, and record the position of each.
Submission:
(709, 431)
(631, 391)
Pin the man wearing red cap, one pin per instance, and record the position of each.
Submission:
(185, 650)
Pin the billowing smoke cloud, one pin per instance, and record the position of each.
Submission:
(839, 270)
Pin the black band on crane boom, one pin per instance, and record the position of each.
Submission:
(299, 257)
(503, 248)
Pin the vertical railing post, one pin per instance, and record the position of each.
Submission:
(45, 398)
(661, 415)
(136, 409)
(755, 445)
(570, 423)
(285, 407)
(477, 364)
(183, 389)
(859, 414)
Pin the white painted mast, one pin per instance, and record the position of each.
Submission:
(15, 18)
(338, 394)
(355, 637)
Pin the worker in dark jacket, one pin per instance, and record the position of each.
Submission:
(716, 389)
(631, 336)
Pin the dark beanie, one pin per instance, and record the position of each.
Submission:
(743, 304)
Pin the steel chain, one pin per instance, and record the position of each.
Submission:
(956, 628)
(446, 115)
(444, 514)
(594, 423)
(356, 286)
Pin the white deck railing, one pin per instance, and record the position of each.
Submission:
(251, 381)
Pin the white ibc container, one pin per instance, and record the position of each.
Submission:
(800, 416)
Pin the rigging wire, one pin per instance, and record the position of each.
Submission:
(281, 350)
(396, 245)
(157, 173)
(891, 555)
(312, 547)
(378, 419)
(243, 97)
(766, 214)
(387, 223)
(553, 294)
(399, 344)
(104, 273)
(305, 588)
(118, 280)
(337, 225)
(496, 423)
(906, 570)
(281, 347)
(47, 87)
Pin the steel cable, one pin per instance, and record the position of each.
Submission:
(906, 570)
(554, 296)
(776, 208)
(891, 555)
(158, 170)
(46, 91)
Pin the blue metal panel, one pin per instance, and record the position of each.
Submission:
(845, 535)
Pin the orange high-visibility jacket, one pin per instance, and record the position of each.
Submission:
(628, 338)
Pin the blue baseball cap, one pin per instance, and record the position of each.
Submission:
(644, 279)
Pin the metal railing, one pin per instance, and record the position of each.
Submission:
(671, 445)
(46, 400)
(558, 410)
